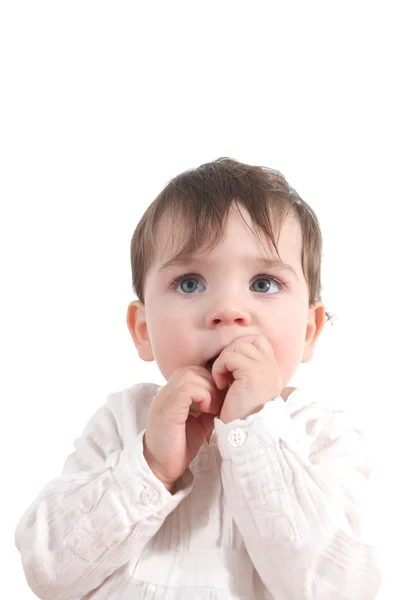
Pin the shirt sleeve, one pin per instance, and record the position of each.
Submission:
(295, 484)
(97, 516)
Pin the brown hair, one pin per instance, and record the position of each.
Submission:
(200, 199)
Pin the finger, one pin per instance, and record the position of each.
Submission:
(230, 364)
(196, 432)
(217, 395)
(174, 407)
(252, 346)
(202, 399)
(261, 343)
(206, 379)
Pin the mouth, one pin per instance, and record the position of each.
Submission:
(210, 362)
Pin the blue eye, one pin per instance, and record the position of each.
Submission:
(182, 279)
(193, 280)
(268, 287)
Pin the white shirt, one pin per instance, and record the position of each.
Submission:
(269, 509)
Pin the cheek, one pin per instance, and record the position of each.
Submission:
(288, 350)
(173, 341)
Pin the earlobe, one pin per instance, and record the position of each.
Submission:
(315, 324)
(136, 321)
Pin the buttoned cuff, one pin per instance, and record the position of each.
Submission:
(147, 493)
(126, 493)
(270, 424)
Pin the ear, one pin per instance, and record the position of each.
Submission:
(136, 321)
(315, 324)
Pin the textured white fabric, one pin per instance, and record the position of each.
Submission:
(270, 509)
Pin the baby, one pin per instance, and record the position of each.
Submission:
(224, 483)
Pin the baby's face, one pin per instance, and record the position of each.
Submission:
(229, 293)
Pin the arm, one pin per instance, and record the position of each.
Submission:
(295, 486)
(97, 516)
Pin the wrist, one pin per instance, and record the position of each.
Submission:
(148, 458)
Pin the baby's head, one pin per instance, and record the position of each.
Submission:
(198, 254)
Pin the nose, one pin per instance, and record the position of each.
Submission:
(228, 315)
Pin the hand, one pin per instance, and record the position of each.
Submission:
(173, 437)
(248, 364)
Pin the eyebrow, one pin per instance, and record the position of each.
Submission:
(247, 261)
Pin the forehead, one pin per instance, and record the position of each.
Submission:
(239, 232)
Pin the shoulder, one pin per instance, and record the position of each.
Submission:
(129, 407)
(114, 426)
(321, 420)
(139, 392)
(316, 411)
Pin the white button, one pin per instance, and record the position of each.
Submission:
(150, 496)
(237, 437)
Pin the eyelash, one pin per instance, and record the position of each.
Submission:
(177, 280)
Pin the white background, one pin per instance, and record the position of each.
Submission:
(102, 104)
